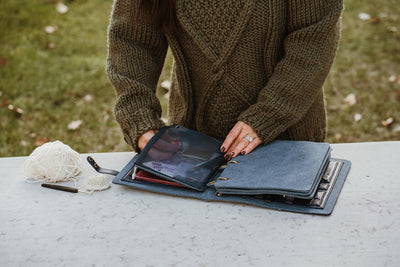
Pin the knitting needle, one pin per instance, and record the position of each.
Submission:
(66, 188)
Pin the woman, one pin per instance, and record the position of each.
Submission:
(246, 71)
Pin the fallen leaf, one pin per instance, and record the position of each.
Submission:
(18, 111)
(350, 100)
(50, 29)
(24, 143)
(374, 20)
(61, 8)
(338, 136)
(106, 117)
(10, 107)
(3, 61)
(4, 103)
(51, 45)
(394, 79)
(364, 16)
(392, 29)
(357, 117)
(387, 122)
(166, 84)
(74, 125)
(88, 98)
(40, 141)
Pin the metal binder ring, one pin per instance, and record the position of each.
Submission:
(250, 139)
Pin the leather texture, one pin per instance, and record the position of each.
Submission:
(291, 168)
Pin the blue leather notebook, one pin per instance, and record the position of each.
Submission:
(296, 176)
(282, 168)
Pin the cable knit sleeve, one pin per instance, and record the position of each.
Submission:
(135, 59)
(309, 49)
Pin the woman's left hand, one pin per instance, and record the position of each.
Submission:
(242, 139)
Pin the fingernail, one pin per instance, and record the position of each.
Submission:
(222, 149)
(226, 157)
(243, 152)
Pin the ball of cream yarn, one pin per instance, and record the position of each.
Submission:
(53, 162)
(97, 182)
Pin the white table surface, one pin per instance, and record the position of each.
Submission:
(126, 227)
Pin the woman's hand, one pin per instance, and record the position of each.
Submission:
(145, 138)
(242, 139)
(163, 149)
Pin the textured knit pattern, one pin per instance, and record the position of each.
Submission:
(261, 62)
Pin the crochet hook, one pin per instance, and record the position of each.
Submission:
(66, 188)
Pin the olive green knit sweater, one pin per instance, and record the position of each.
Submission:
(261, 62)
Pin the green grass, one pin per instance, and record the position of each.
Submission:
(50, 84)
(369, 54)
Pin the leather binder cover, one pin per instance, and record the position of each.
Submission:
(209, 194)
(291, 168)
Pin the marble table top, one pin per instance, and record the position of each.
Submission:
(127, 227)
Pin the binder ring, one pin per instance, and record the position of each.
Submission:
(218, 194)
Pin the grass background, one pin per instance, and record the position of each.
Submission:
(56, 85)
